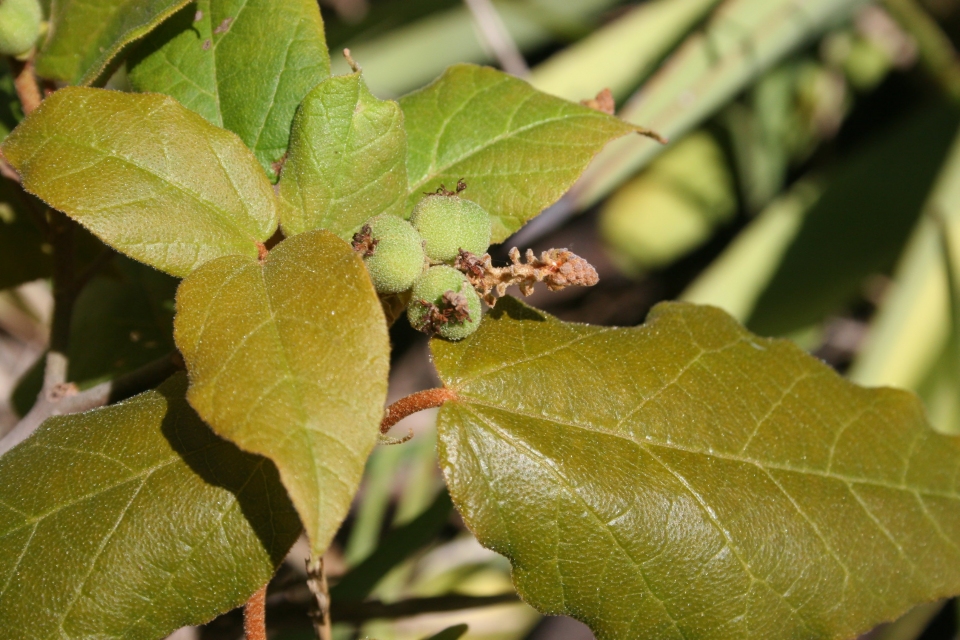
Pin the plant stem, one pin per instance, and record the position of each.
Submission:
(25, 83)
(317, 582)
(8, 171)
(255, 615)
(496, 36)
(413, 403)
(59, 398)
(65, 289)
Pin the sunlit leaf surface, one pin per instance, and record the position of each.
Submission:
(687, 479)
(132, 521)
(289, 359)
(147, 176)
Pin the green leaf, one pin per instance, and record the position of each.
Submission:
(741, 41)
(396, 546)
(121, 321)
(616, 468)
(672, 208)
(860, 224)
(11, 112)
(24, 253)
(289, 359)
(450, 633)
(85, 36)
(517, 149)
(347, 159)
(244, 65)
(638, 40)
(400, 56)
(134, 520)
(145, 175)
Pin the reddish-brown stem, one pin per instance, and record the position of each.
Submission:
(255, 616)
(26, 85)
(419, 401)
(7, 171)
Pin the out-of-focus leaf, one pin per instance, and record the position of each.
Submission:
(517, 149)
(347, 160)
(671, 208)
(289, 358)
(396, 546)
(134, 520)
(145, 175)
(736, 279)
(24, 253)
(11, 112)
(85, 36)
(618, 55)
(408, 57)
(617, 467)
(121, 321)
(779, 122)
(859, 225)
(450, 633)
(913, 340)
(244, 65)
(742, 40)
(912, 326)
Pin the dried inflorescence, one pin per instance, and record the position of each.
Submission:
(558, 268)
(364, 242)
(453, 307)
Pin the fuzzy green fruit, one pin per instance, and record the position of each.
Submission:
(19, 25)
(444, 303)
(449, 223)
(392, 250)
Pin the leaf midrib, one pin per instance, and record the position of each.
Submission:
(643, 444)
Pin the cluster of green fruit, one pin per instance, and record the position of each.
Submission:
(21, 22)
(418, 255)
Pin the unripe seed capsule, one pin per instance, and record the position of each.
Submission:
(392, 250)
(448, 224)
(444, 303)
(19, 25)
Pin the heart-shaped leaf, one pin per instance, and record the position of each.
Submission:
(289, 359)
(86, 36)
(687, 479)
(134, 520)
(147, 176)
(517, 149)
(347, 159)
(244, 65)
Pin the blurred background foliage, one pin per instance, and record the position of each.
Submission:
(811, 187)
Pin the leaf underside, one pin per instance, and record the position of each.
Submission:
(289, 359)
(147, 176)
(244, 65)
(517, 149)
(134, 520)
(687, 479)
(347, 160)
(86, 36)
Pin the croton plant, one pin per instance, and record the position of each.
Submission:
(680, 479)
